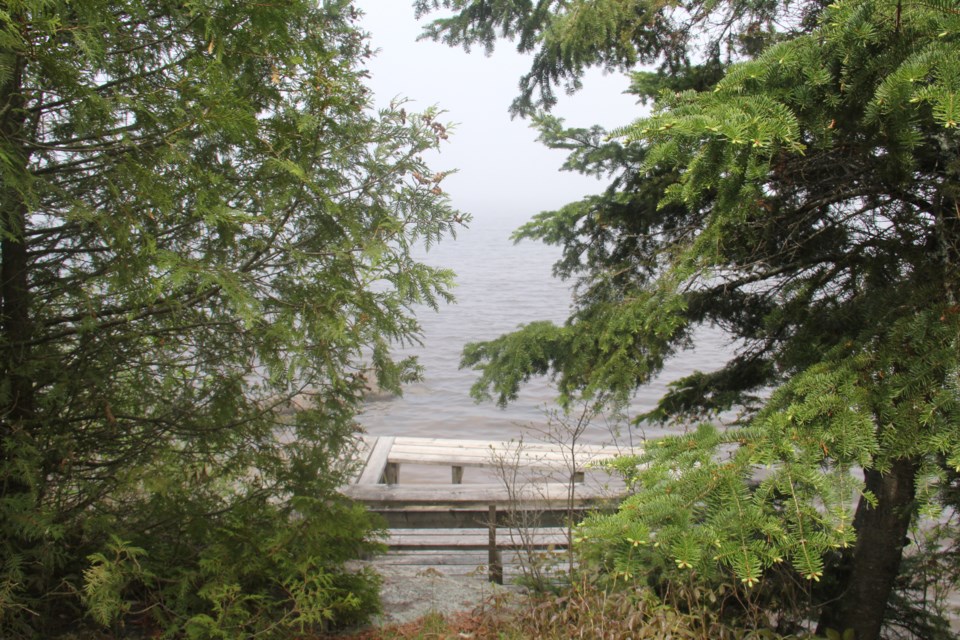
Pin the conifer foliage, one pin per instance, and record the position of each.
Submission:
(206, 235)
(802, 194)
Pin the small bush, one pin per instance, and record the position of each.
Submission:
(255, 572)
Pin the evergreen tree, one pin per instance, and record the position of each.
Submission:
(806, 201)
(564, 37)
(206, 235)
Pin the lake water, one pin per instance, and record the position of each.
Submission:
(500, 286)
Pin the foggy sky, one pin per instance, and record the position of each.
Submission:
(502, 170)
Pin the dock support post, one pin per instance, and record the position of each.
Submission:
(391, 473)
(494, 561)
(457, 474)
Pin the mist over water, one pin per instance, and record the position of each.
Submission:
(500, 286)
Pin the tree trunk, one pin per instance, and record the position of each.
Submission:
(17, 403)
(875, 564)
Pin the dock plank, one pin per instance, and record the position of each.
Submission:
(440, 445)
(483, 456)
(454, 539)
(356, 457)
(426, 494)
(470, 442)
(462, 562)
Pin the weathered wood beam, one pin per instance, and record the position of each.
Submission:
(374, 469)
(477, 539)
(398, 495)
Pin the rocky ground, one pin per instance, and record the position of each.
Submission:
(409, 593)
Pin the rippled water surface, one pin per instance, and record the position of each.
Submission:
(500, 286)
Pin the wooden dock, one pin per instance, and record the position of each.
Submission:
(550, 483)
(383, 456)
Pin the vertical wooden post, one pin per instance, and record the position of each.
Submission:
(457, 474)
(391, 473)
(494, 561)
